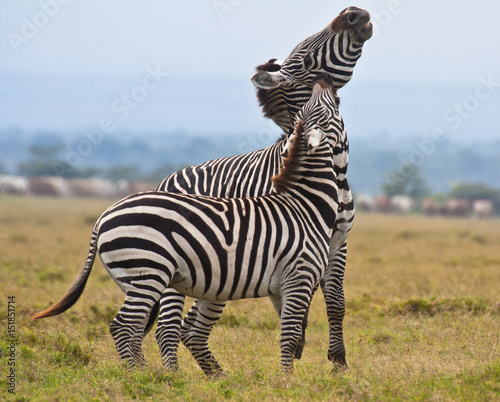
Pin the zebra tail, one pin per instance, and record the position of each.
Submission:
(77, 287)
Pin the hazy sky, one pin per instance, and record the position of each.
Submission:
(415, 42)
(439, 40)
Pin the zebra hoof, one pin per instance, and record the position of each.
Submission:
(339, 361)
(216, 375)
(298, 351)
(173, 367)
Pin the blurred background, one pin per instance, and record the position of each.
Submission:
(135, 90)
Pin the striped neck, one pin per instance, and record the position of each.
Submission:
(302, 170)
(309, 172)
(310, 182)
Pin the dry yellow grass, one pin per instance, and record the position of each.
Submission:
(422, 322)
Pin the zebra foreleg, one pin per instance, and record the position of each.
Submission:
(294, 310)
(302, 340)
(195, 331)
(277, 303)
(332, 285)
(168, 330)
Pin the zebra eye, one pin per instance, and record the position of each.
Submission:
(307, 60)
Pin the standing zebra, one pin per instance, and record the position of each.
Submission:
(283, 89)
(229, 248)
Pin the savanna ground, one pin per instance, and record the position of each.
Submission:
(422, 320)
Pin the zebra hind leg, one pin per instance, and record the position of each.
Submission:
(333, 291)
(127, 328)
(195, 331)
(168, 330)
(136, 343)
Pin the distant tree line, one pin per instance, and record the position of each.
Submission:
(476, 191)
(46, 160)
(408, 180)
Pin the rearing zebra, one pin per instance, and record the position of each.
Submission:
(283, 90)
(229, 248)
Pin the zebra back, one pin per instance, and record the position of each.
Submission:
(245, 175)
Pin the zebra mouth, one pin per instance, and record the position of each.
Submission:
(356, 21)
(365, 33)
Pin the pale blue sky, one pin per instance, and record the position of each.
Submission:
(440, 42)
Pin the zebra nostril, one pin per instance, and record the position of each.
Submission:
(353, 18)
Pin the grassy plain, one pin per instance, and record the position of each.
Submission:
(422, 322)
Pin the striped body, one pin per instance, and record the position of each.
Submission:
(237, 248)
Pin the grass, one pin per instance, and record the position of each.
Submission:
(422, 321)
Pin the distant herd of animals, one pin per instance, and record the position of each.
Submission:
(271, 223)
(403, 204)
(95, 187)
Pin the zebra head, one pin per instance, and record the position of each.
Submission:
(319, 118)
(334, 50)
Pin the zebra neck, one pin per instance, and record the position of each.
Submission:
(311, 176)
(282, 104)
(313, 189)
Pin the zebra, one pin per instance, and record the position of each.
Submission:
(228, 248)
(334, 50)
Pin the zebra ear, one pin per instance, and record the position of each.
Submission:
(314, 138)
(269, 79)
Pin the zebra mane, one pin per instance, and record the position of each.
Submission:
(291, 164)
(281, 104)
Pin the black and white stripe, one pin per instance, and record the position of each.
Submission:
(228, 248)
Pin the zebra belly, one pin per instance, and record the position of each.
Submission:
(232, 282)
